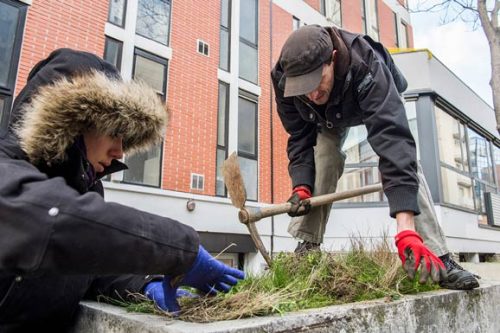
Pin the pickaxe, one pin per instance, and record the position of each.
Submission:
(250, 215)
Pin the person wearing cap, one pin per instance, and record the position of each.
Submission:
(325, 81)
(59, 240)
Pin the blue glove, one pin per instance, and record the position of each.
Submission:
(207, 275)
(165, 296)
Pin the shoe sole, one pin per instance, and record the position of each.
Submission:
(463, 284)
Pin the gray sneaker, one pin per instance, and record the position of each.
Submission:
(305, 246)
(458, 278)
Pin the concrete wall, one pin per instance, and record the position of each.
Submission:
(440, 311)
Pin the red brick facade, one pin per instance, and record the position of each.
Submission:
(192, 88)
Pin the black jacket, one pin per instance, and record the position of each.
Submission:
(366, 91)
(59, 239)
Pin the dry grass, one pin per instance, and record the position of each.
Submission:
(300, 282)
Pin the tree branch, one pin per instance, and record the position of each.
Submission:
(489, 30)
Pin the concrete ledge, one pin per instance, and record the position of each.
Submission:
(438, 311)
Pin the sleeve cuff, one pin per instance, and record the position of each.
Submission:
(402, 199)
(303, 175)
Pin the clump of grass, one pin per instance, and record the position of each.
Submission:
(295, 282)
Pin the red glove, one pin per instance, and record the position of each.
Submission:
(411, 250)
(299, 208)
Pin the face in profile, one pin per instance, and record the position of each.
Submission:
(102, 149)
(321, 94)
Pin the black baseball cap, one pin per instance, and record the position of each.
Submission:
(302, 58)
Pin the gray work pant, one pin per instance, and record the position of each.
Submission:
(329, 159)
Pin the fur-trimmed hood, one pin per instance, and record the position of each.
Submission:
(58, 112)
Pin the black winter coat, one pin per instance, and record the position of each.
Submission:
(366, 91)
(59, 240)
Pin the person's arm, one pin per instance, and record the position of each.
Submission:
(302, 136)
(46, 226)
(389, 135)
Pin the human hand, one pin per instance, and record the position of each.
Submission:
(209, 275)
(300, 207)
(412, 250)
(165, 296)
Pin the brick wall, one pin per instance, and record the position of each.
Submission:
(387, 28)
(192, 97)
(52, 24)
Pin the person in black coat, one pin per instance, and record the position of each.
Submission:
(326, 81)
(59, 240)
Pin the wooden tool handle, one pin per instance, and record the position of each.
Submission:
(251, 214)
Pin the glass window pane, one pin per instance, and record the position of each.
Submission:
(363, 17)
(374, 20)
(117, 12)
(221, 115)
(9, 18)
(219, 183)
(2, 105)
(113, 52)
(411, 115)
(144, 167)
(224, 13)
(247, 111)
(480, 157)
(224, 50)
(249, 174)
(295, 23)
(153, 20)
(248, 63)
(496, 155)
(457, 188)
(357, 177)
(403, 37)
(248, 20)
(150, 72)
(451, 141)
(333, 11)
(357, 148)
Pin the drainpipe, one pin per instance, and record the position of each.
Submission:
(271, 120)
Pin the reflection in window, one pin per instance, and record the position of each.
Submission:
(496, 155)
(332, 11)
(357, 177)
(249, 174)
(222, 123)
(113, 52)
(225, 32)
(145, 167)
(374, 33)
(153, 20)
(480, 157)
(9, 18)
(248, 41)
(411, 115)
(457, 188)
(357, 148)
(247, 142)
(451, 141)
(117, 12)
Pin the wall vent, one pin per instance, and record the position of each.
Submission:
(203, 47)
(197, 182)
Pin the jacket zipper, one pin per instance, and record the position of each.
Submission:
(328, 123)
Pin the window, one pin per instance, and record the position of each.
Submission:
(496, 163)
(361, 167)
(203, 47)
(247, 143)
(480, 157)
(153, 20)
(403, 35)
(113, 52)
(145, 167)
(396, 27)
(225, 33)
(332, 11)
(248, 41)
(363, 17)
(295, 23)
(451, 141)
(222, 123)
(117, 10)
(12, 17)
(374, 20)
